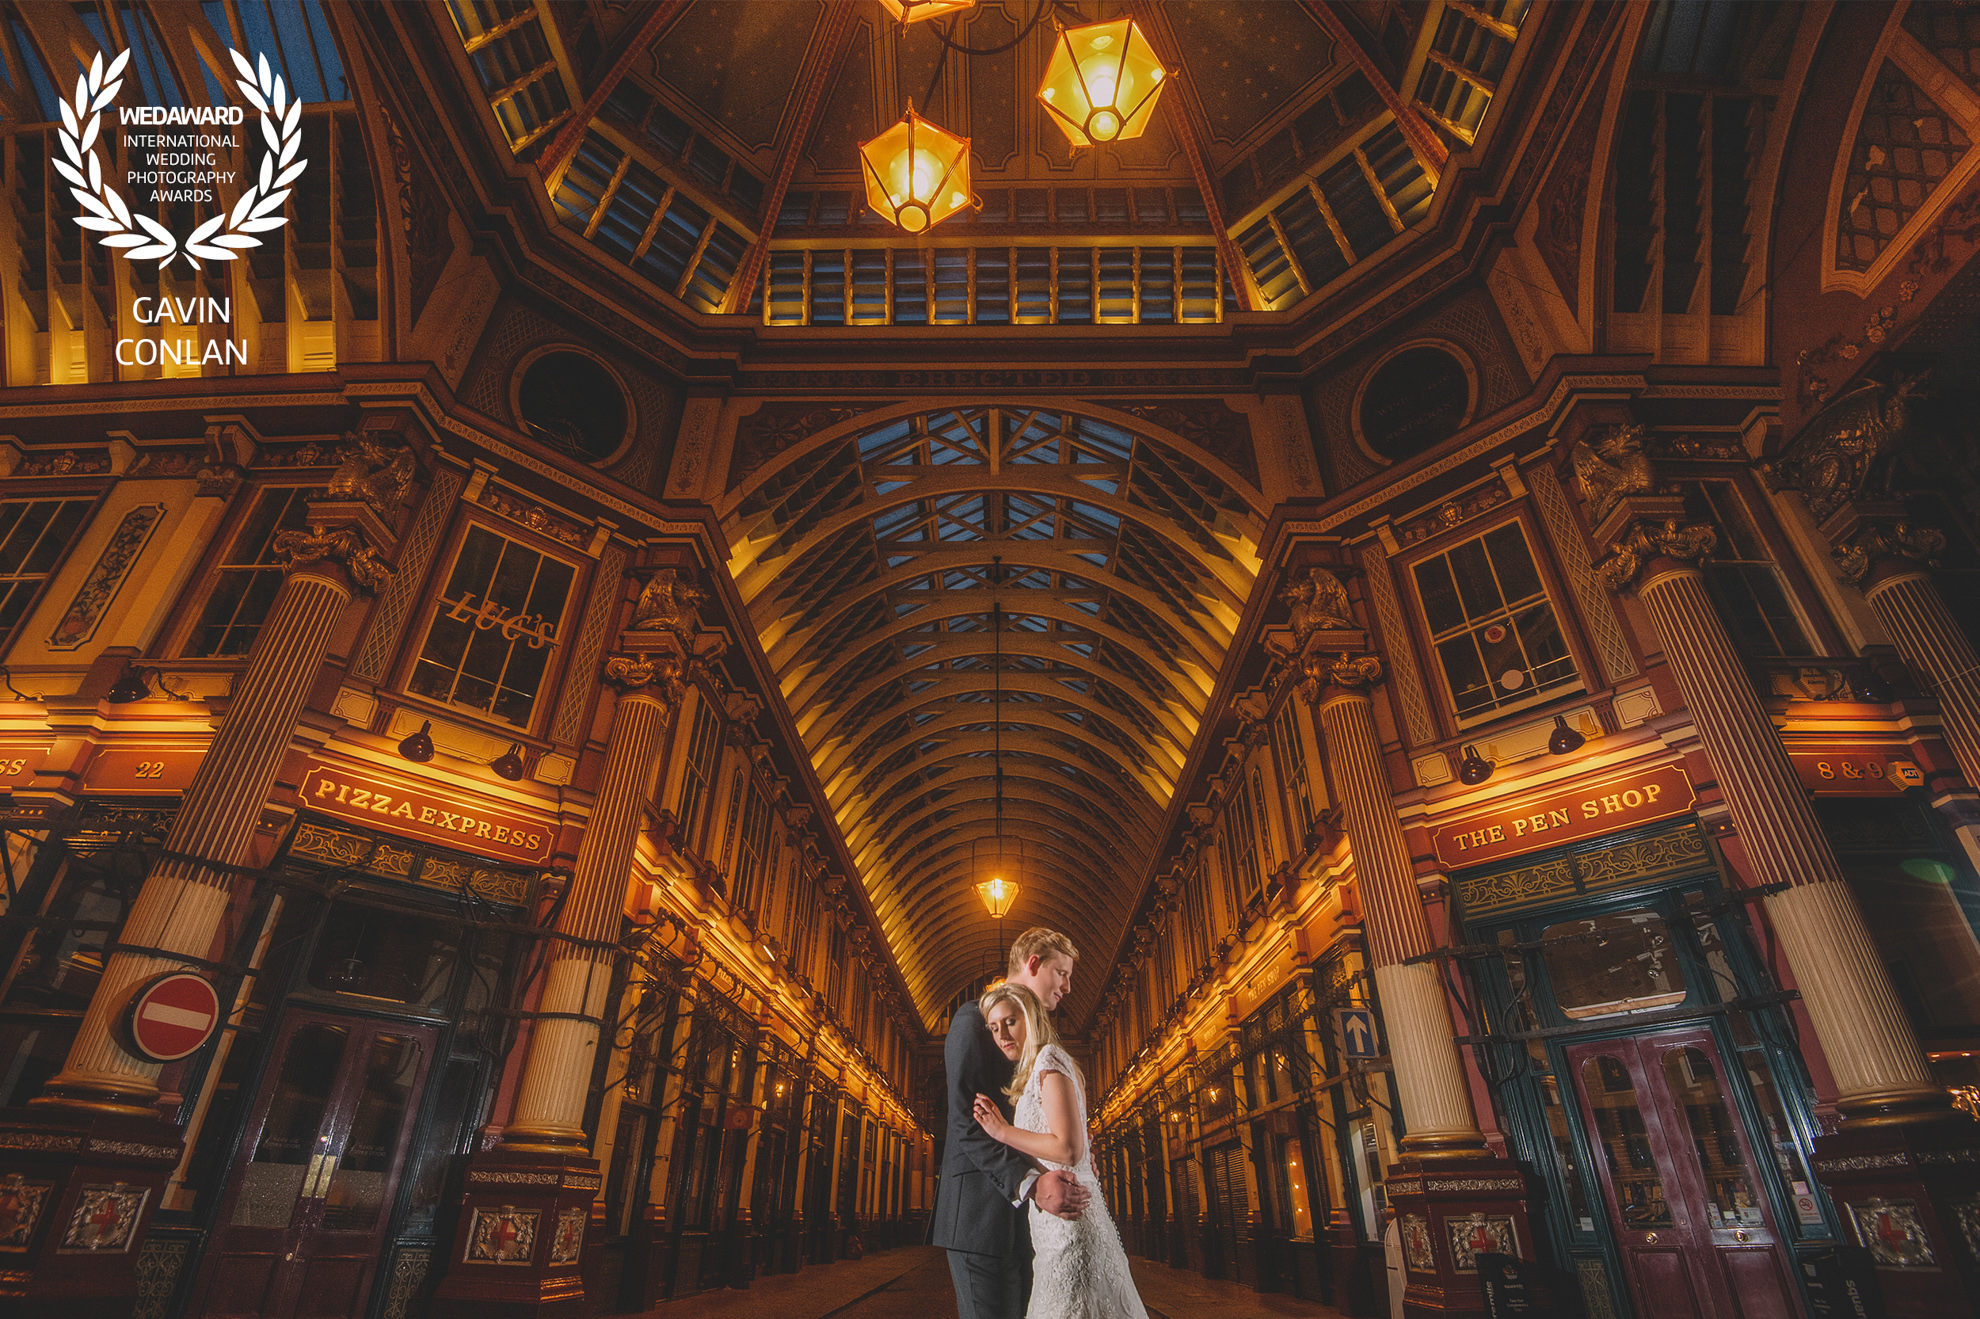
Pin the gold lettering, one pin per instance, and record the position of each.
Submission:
(501, 833)
(1589, 810)
(1651, 790)
(1822, 768)
(1556, 818)
(427, 815)
(404, 809)
(483, 831)
(324, 787)
(379, 802)
(1520, 827)
(1632, 798)
(1498, 834)
(1611, 804)
(359, 798)
(460, 613)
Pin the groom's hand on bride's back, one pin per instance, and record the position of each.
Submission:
(1059, 1193)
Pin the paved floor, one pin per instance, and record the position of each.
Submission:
(912, 1282)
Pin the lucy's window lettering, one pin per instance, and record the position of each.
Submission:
(495, 627)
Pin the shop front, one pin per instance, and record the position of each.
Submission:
(1646, 1066)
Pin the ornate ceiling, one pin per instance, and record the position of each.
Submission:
(940, 585)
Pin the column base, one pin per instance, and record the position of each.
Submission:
(1909, 1192)
(78, 1189)
(1449, 1210)
(518, 1244)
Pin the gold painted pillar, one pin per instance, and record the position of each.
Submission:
(1430, 1078)
(541, 1181)
(1868, 1041)
(1889, 560)
(1902, 1164)
(93, 1136)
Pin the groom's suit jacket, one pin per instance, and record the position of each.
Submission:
(980, 1176)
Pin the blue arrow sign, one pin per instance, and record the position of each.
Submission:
(1357, 1031)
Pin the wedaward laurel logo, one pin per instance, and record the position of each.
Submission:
(185, 157)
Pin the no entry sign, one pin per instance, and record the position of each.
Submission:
(171, 1015)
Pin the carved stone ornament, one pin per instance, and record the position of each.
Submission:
(1344, 671)
(632, 673)
(1893, 540)
(1686, 543)
(1847, 449)
(343, 546)
(381, 475)
(667, 604)
(1318, 600)
(1610, 468)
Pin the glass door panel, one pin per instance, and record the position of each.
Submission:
(1730, 1199)
(1635, 1177)
(293, 1130)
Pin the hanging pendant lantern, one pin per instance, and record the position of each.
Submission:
(1102, 82)
(998, 863)
(916, 11)
(917, 173)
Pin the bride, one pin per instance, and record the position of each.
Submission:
(1079, 1270)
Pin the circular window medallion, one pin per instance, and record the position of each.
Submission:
(573, 404)
(1413, 400)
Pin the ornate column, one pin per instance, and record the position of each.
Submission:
(1447, 1182)
(93, 1131)
(1893, 1111)
(538, 1185)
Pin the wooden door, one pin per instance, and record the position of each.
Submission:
(1690, 1217)
(1230, 1203)
(303, 1223)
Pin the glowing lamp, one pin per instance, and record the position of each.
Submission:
(915, 11)
(917, 173)
(998, 894)
(1101, 83)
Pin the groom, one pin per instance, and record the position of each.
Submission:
(979, 1214)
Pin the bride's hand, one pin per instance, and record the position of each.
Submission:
(990, 1118)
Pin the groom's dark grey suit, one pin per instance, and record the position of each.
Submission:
(976, 1221)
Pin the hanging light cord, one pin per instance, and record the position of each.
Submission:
(997, 691)
(1012, 44)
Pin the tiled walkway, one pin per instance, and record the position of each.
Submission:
(912, 1282)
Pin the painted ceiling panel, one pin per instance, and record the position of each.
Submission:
(738, 61)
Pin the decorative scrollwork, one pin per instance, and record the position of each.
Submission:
(379, 474)
(1318, 600)
(1344, 670)
(631, 673)
(343, 546)
(1684, 542)
(1895, 540)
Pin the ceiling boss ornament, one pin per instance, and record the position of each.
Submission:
(221, 237)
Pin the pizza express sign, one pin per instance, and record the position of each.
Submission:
(1585, 811)
(337, 791)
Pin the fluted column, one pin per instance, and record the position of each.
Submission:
(1866, 1037)
(1889, 564)
(549, 1112)
(178, 910)
(1429, 1073)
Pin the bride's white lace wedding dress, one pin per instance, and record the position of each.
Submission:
(1078, 1270)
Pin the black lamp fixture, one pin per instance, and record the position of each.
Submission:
(1870, 687)
(508, 765)
(131, 685)
(1473, 769)
(1564, 740)
(7, 677)
(418, 747)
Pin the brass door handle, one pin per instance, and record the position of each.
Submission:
(316, 1182)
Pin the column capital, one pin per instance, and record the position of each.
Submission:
(1645, 542)
(323, 545)
(661, 676)
(1346, 672)
(1874, 542)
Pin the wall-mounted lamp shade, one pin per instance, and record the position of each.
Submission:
(1473, 769)
(915, 11)
(1564, 741)
(130, 687)
(509, 764)
(917, 173)
(418, 747)
(1101, 83)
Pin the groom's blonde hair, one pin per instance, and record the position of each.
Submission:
(1038, 1030)
(1039, 941)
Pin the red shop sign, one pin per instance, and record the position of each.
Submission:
(447, 821)
(1586, 810)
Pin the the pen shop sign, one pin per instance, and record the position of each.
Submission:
(1568, 816)
(444, 821)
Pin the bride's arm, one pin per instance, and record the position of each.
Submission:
(1066, 1141)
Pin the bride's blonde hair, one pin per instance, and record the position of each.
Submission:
(1038, 1030)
